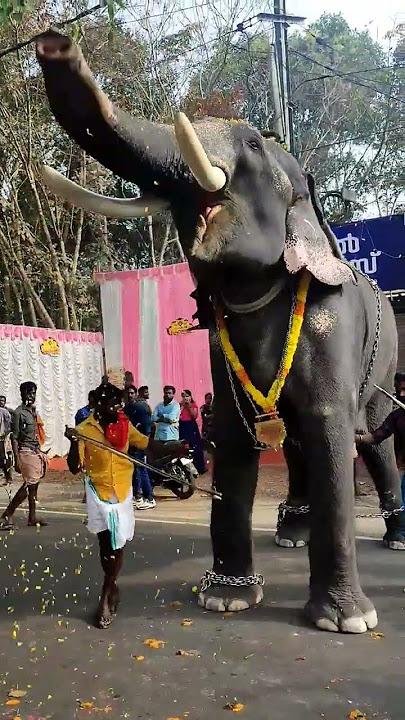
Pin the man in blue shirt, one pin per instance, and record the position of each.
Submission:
(139, 414)
(166, 416)
(142, 412)
(85, 411)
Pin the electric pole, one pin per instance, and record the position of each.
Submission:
(280, 71)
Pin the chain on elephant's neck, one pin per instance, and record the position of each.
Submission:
(245, 308)
(239, 288)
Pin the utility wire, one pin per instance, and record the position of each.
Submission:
(69, 21)
(241, 27)
(264, 54)
(172, 12)
(336, 73)
(341, 142)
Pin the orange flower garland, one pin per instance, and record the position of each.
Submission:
(268, 403)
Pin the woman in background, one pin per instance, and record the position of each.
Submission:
(189, 431)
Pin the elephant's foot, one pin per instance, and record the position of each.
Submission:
(230, 598)
(394, 540)
(333, 615)
(293, 530)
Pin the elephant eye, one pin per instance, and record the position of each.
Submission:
(254, 144)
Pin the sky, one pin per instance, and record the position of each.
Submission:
(378, 17)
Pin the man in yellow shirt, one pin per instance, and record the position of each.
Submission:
(109, 484)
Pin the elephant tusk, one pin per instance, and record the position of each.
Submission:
(101, 204)
(208, 176)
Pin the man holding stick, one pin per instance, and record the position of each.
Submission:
(394, 425)
(109, 483)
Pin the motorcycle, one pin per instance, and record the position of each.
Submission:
(183, 468)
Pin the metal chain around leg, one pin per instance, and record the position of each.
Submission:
(211, 578)
(283, 509)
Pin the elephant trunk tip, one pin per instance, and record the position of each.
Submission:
(52, 45)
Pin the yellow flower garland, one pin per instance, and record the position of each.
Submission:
(268, 404)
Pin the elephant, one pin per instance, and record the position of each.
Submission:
(251, 228)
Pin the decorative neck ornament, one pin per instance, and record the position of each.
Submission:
(270, 430)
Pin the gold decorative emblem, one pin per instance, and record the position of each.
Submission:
(270, 430)
(50, 347)
(180, 326)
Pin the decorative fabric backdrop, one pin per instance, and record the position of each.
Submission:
(138, 306)
(63, 380)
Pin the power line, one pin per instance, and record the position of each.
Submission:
(239, 28)
(341, 142)
(172, 12)
(321, 77)
(69, 21)
(336, 73)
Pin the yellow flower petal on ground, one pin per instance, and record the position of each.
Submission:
(234, 707)
(186, 622)
(154, 644)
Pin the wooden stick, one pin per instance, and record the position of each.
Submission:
(73, 434)
(392, 397)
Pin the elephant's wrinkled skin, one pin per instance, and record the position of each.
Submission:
(263, 221)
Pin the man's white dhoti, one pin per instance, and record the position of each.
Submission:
(118, 518)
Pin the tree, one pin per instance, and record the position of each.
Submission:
(346, 102)
(64, 245)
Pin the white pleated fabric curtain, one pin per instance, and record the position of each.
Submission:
(63, 380)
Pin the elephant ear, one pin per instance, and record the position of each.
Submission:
(310, 242)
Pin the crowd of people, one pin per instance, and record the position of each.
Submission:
(22, 434)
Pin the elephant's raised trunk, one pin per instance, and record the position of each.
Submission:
(135, 149)
(208, 176)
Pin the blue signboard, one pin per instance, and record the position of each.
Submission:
(377, 248)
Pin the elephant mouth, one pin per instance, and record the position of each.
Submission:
(208, 216)
(210, 234)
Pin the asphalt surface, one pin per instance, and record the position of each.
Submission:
(268, 659)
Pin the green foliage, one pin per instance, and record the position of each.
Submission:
(49, 251)
(347, 124)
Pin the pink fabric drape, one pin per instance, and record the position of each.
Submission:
(185, 359)
(130, 324)
(20, 331)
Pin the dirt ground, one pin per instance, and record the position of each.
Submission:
(272, 481)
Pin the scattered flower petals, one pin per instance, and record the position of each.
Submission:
(85, 705)
(186, 622)
(13, 702)
(357, 715)
(377, 635)
(234, 707)
(17, 693)
(138, 658)
(154, 644)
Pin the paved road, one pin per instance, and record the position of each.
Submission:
(268, 659)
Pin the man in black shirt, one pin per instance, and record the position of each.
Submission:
(394, 425)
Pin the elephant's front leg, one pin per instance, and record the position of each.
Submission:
(337, 601)
(234, 587)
